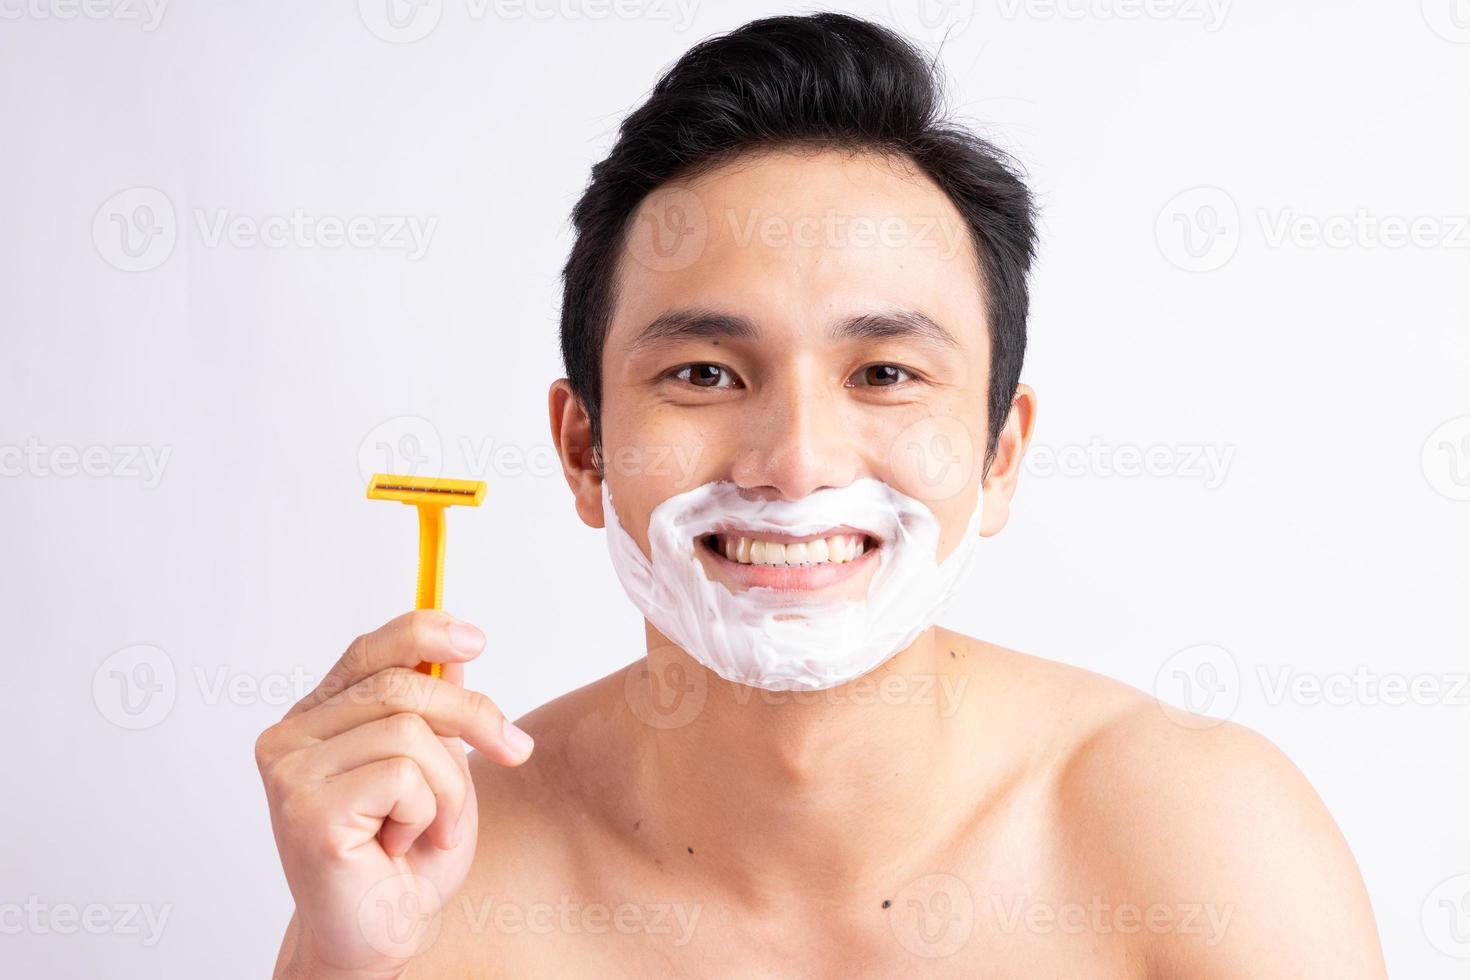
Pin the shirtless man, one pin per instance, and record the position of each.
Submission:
(959, 810)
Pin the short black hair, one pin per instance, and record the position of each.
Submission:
(823, 80)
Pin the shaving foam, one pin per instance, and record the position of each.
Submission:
(786, 640)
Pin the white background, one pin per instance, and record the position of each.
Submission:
(1330, 378)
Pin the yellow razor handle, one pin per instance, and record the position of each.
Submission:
(430, 495)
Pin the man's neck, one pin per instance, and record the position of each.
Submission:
(838, 790)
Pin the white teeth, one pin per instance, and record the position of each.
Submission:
(837, 549)
(754, 551)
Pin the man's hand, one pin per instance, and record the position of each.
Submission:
(371, 799)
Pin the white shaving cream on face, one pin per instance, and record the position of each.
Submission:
(785, 640)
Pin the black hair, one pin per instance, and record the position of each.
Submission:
(823, 80)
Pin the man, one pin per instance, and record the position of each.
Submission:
(791, 276)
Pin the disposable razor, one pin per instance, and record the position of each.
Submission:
(431, 495)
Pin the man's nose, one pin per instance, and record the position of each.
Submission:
(797, 439)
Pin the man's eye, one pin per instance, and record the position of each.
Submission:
(882, 375)
(704, 375)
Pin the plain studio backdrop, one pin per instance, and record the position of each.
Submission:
(252, 252)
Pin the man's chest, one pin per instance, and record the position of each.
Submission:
(936, 925)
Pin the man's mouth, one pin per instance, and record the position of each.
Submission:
(780, 550)
(788, 562)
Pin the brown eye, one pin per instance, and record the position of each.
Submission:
(882, 375)
(702, 375)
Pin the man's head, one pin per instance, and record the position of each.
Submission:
(788, 273)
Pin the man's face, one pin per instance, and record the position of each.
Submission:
(816, 318)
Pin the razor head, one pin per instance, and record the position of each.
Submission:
(426, 490)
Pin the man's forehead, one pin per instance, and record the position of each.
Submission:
(813, 200)
(855, 244)
(797, 179)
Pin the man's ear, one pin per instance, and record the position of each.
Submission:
(571, 433)
(1005, 468)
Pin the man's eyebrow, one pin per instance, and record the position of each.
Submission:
(895, 325)
(700, 324)
(695, 324)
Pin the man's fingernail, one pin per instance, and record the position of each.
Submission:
(519, 743)
(465, 638)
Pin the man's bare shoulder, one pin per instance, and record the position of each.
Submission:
(1199, 835)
